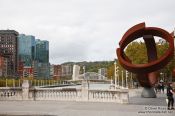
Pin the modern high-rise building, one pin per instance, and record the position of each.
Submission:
(42, 58)
(42, 51)
(34, 54)
(26, 47)
(26, 54)
(9, 45)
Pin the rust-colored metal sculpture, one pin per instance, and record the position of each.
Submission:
(146, 73)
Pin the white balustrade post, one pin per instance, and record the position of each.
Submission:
(25, 90)
(84, 91)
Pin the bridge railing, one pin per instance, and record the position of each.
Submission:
(54, 94)
(117, 96)
(64, 94)
(10, 93)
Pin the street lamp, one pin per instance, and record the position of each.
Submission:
(115, 75)
(85, 79)
(161, 78)
(122, 79)
(84, 71)
(127, 74)
(131, 81)
(111, 81)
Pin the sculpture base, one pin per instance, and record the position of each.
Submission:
(148, 93)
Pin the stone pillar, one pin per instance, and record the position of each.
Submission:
(84, 91)
(148, 92)
(25, 90)
(124, 96)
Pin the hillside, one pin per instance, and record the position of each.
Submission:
(91, 66)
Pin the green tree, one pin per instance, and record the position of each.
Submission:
(137, 53)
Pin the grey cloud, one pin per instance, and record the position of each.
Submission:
(81, 30)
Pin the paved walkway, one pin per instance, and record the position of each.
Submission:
(138, 106)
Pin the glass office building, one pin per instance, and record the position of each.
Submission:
(42, 51)
(26, 49)
(42, 57)
(34, 53)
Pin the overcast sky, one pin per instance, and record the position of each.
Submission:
(83, 30)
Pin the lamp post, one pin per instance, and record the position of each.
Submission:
(84, 69)
(122, 79)
(165, 77)
(115, 75)
(127, 73)
(131, 81)
(13, 83)
(111, 81)
(6, 82)
(84, 82)
(19, 82)
(161, 77)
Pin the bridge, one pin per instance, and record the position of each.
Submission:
(91, 76)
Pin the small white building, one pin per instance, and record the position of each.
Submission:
(102, 72)
(76, 72)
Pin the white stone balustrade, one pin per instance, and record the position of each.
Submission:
(9, 93)
(55, 94)
(117, 96)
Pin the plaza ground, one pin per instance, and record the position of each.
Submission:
(137, 106)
